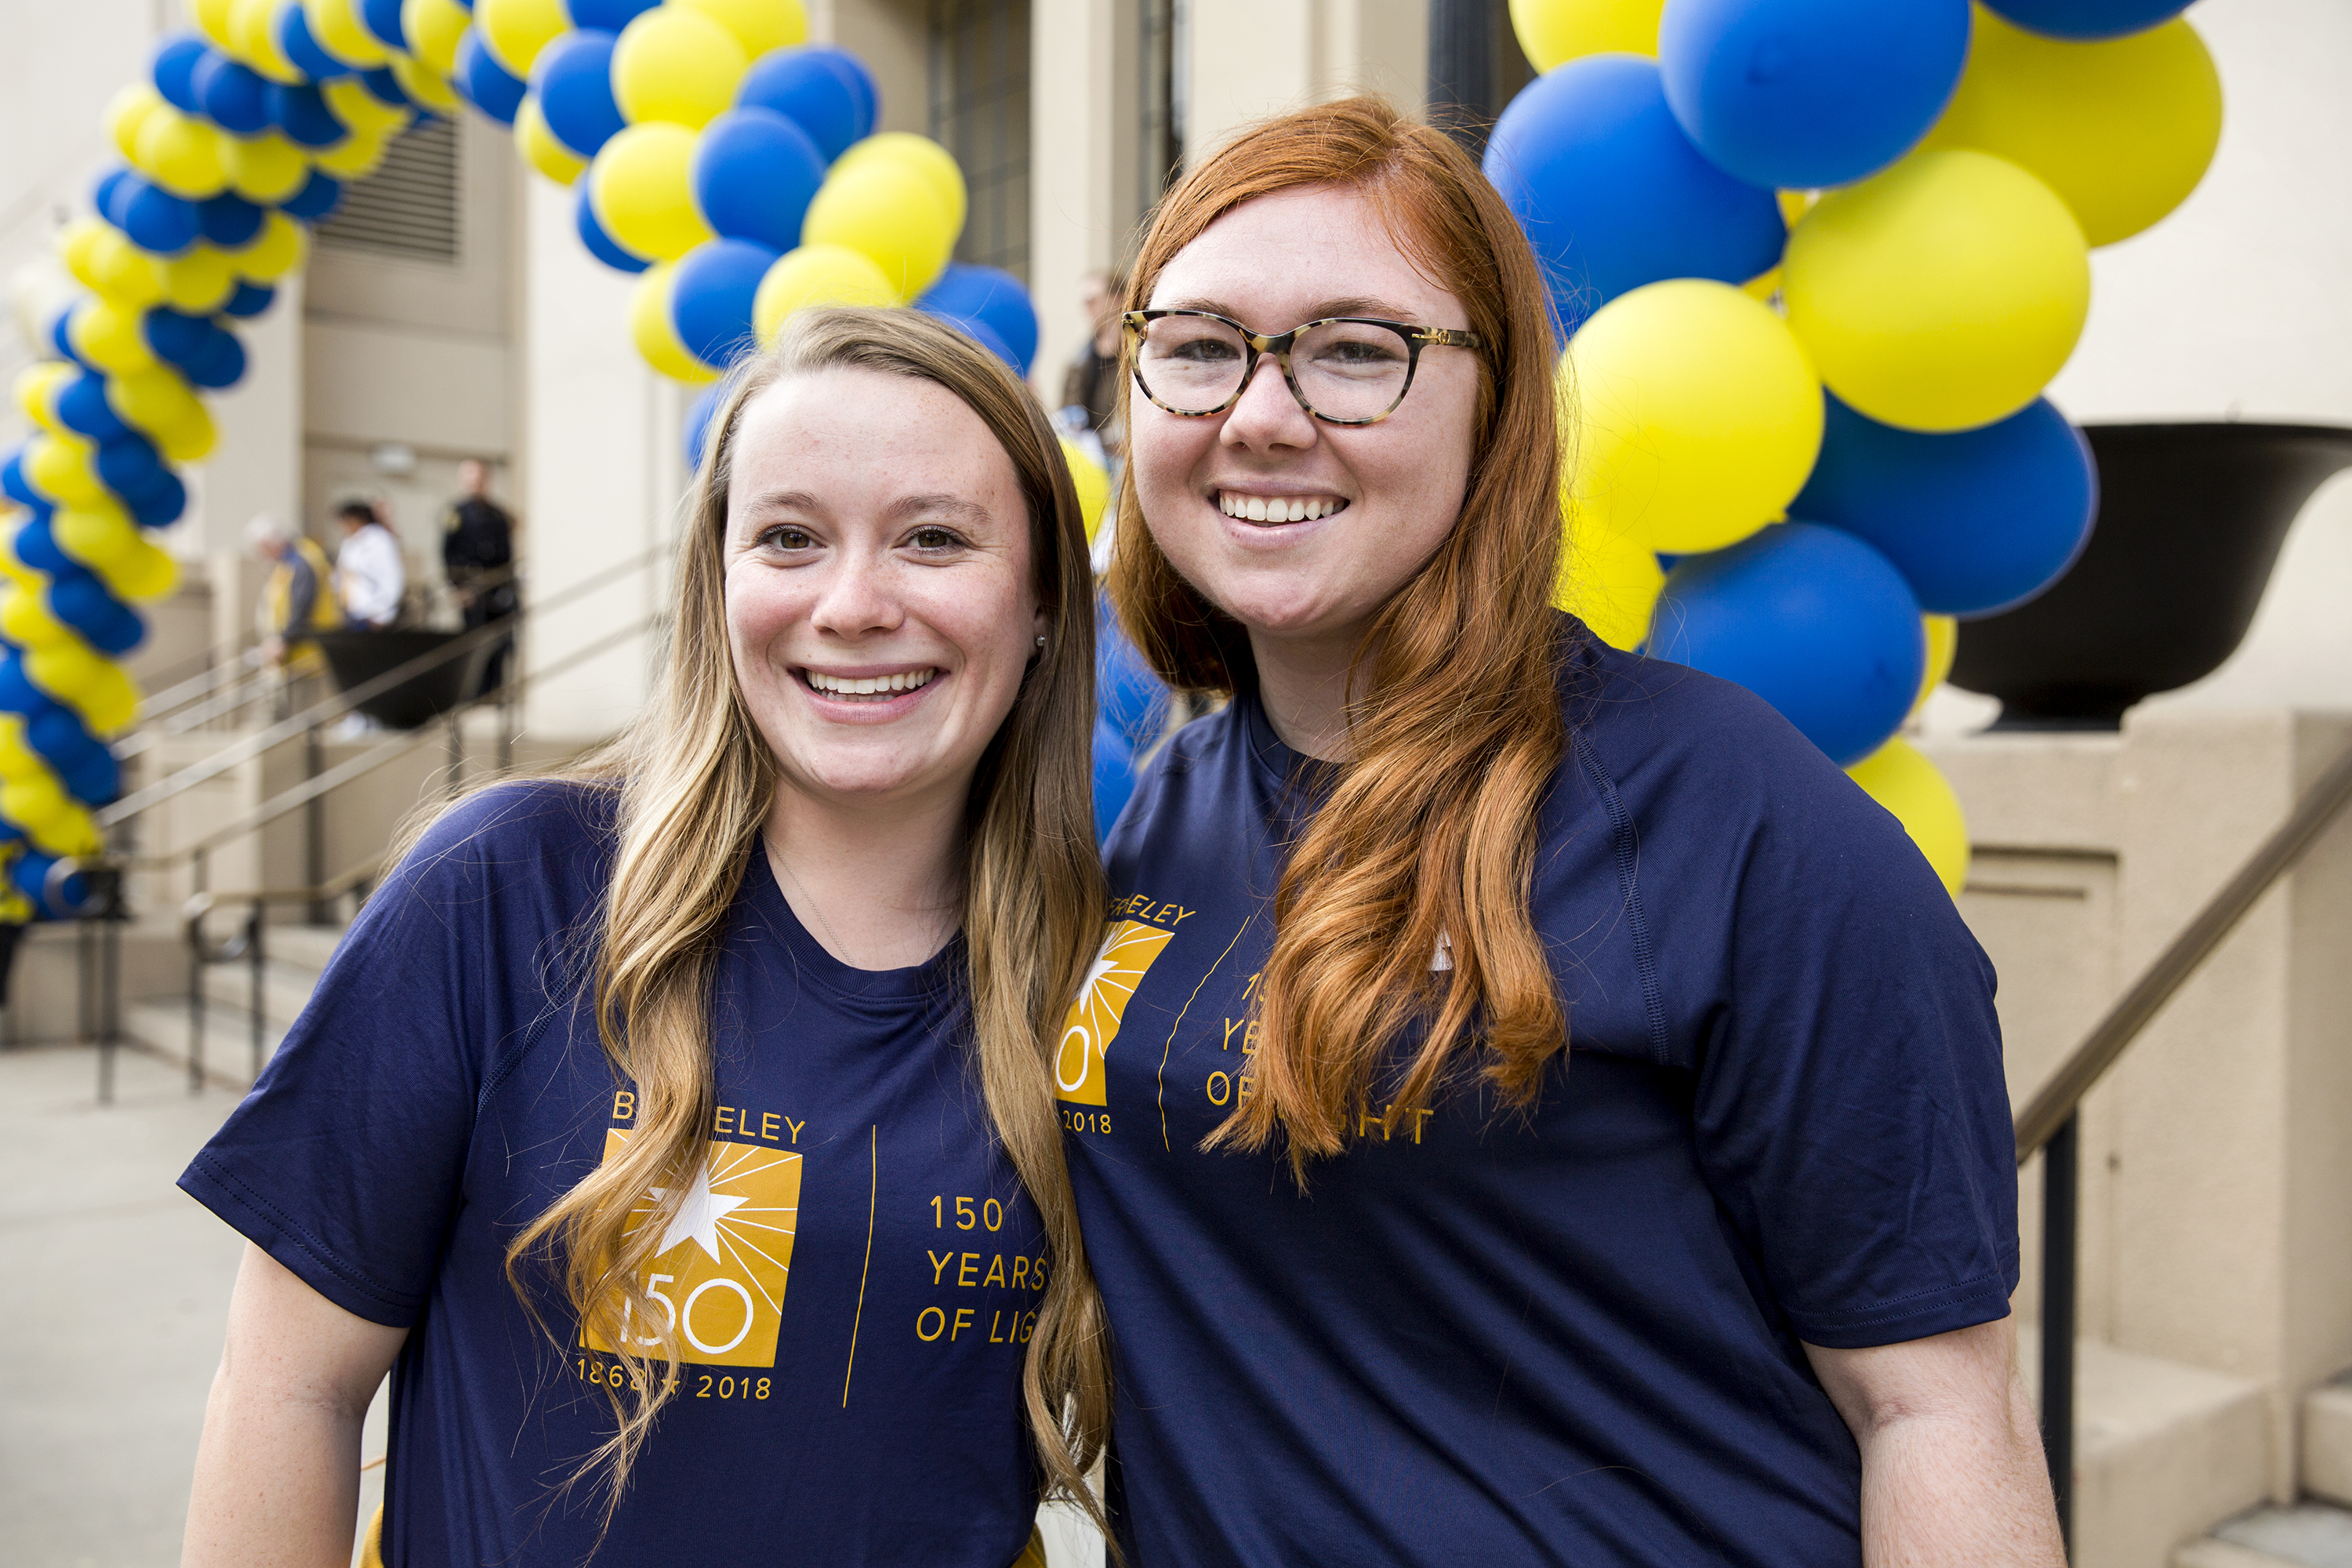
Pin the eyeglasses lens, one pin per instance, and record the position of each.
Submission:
(1345, 369)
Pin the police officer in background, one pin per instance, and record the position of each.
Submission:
(477, 555)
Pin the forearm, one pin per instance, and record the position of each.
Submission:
(1966, 1489)
(277, 1481)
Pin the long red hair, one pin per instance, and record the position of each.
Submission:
(1457, 729)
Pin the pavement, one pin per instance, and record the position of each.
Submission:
(111, 1317)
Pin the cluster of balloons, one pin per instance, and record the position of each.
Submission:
(1814, 262)
(732, 165)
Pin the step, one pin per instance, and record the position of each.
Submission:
(285, 987)
(2163, 1452)
(2327, 1442)
(161, 1028)
(2301, 1535)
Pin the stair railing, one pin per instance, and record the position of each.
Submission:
(251, 945)
(2051, 1122)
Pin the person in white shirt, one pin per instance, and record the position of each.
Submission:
(369, 574)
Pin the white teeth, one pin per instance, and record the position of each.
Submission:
(1276, 509)
(870, 685)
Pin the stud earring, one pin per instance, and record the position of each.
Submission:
(1041, 642)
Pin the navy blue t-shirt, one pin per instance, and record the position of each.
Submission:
(444, 1085)
(1569, 1334)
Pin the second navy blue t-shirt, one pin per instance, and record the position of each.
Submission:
(854, 1273)
(1567, 1333)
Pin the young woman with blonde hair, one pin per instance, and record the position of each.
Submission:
(1530, 1106)
(677, 1129)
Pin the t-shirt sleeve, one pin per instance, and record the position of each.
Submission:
(346, 1161)
(1851, 1111)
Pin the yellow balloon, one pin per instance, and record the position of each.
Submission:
(61, 468)
(888, 211)
(1940, 295)
(1610, 579)
(357, 157)
(126, 116)
(641, 189)
(182, 154)
(1092, 483)
(424, 85)
(92, 686)
(201, 281)
(657, 339)
(336, 25)
(192, 440)
(26, 622)
(38, 804)
(253, 38)
(817, 275)
(126, 274)
(149, 573)
(266, 168)
(80, 244)
(211, 20)
(676, 65)
(434, 29)
(514, 31)
(2121, 130)
(100, 535)
(1696, 415)
(540, 149)
(1553, 32)
(363, 111)
(109, 337)
(1910, 786)
(920, 153)
(1943, 645)
(279, 248)
(757, 25)
(35, 390)
(152, 400)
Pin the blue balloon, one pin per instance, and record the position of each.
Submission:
(385, 88)
(574, 79)
(607, 15)
(234, 94)
(37, 547)
(176, 337)
(83, 604)
(176, 60)
(17, 692)
(971, 292)
(754, 174)
(229, 220)
(317, 198)
(61, 340)
(1978, 521)
(155, 218)
(699, 415)
(302, 113)
(162, 506)
(220, 363)
(1613, 195)
(710, 298)
(1811, 619)
(1128, 697)
(382, 18)
(128, 465)
(486, 84)
(83, 408)
(602, 246)
(107, 194)
(1804, 93)
(31, 875)
(250, 300)
(825, 91)
(981, 332)
(1114, 778)
(2083, 20)
(15, 486)
(303, 50)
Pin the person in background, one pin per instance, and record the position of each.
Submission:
(1090, 385)
(478, 554)
(369, 574)
(294, 601)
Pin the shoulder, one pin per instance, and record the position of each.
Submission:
(556, 834)
(1192, 780)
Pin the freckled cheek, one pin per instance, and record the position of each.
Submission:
(758, 613)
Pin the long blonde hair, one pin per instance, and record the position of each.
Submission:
(696, 781)
(1455, 729)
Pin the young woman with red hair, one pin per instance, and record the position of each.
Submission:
(1530, 1107)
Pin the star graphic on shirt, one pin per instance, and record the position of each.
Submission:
(697, 1216)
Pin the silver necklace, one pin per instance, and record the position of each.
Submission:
(784, 865)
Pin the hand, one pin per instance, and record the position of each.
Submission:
(273, 651)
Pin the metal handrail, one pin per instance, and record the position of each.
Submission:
(330, 708)
(249, 944)
(2051, 1122)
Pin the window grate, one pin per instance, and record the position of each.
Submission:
(980, 113)
(409, 206)
(1161, 47)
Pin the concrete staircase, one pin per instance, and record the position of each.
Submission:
(293, 958)
(2315, 1532)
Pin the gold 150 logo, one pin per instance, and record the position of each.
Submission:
(1128, 950)
(720, 1276)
